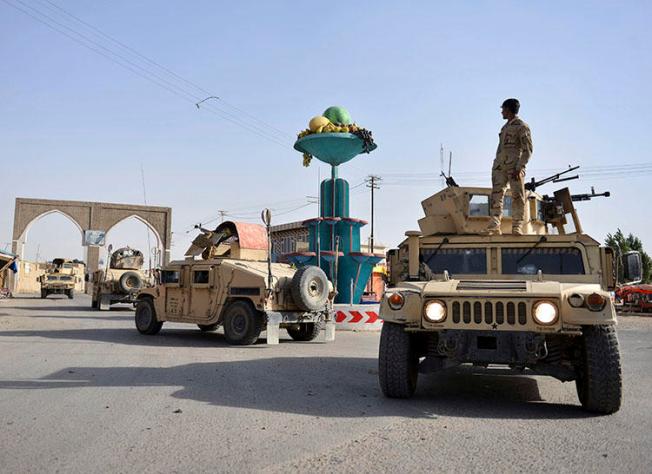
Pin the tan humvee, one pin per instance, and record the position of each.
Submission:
(121, 281)
(532, 304)
(60, 277)
(235, 285)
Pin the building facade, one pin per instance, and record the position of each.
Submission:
(288, 238)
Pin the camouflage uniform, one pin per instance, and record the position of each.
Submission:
(514, 151)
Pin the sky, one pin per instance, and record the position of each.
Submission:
(76, 125)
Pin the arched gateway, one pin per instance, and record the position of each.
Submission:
(92, 216)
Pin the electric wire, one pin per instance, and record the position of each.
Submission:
(137, 69)
(158, 65)
(254, 209)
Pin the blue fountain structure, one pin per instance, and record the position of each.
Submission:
(334, 236)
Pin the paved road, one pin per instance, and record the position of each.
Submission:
(82, 391)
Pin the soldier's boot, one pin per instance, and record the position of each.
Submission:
(494, 225)
(491, 231)
(517, 230)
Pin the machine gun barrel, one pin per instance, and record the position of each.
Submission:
(202, 229)
(555, 178)
(589, 196)
(450, 182)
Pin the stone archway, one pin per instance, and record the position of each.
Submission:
(157, 237)
(86, 215)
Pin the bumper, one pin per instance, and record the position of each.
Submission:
(122, 298)
(540, 353)
(58, 289)
(504, 347)
(279, 319)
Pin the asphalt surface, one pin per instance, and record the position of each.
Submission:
(82, 391)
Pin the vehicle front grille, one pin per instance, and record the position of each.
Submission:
(465, 285)
(489, 312)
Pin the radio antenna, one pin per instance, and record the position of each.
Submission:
(450, 163)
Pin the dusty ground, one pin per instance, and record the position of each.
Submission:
(82, 391)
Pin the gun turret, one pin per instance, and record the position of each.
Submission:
(555, 208)
(555, 178)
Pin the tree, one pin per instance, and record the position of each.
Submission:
(622, 244)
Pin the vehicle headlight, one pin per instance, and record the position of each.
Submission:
(576, 300)
(435, 311)
(395, 301)
(545, 313)
(596, 302)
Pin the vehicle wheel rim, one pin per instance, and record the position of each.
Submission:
(144, 317)
(314, 289)
(239, 324)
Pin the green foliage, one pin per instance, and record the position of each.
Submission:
(622, 244)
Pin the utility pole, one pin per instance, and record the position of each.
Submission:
(222, 213)
(372, 183)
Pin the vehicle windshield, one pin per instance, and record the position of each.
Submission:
(456, 261)
(552, 261)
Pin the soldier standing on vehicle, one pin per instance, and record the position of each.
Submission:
(513, 154)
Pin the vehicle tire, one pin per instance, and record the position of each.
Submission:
(208, 327)
(71, 294)
(94, 304)
(310, 288)
(130, 282)
(599, 383)
(145, 317)
(304, 331)
(44, 294)
(242, 323)
(398, 362)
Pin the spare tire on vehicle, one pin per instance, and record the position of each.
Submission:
(130, 282)
(310, 288)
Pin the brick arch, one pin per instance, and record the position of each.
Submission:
(92, 216)
(72, 219)
(147, 223)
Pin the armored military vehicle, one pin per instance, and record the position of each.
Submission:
(121, 281)
(532, 304)
(235, 285)
(59, 278)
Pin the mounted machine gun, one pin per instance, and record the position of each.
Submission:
(555, 178)
(554, 208)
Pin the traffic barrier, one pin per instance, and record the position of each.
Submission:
(362, 317)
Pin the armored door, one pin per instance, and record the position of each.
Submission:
(200, 293)
(176, 294)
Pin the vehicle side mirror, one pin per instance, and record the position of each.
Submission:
(632, 268)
